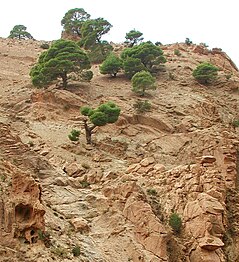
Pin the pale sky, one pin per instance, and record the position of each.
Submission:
(213, 22)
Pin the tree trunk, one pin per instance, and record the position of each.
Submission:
(88, 132)
(64, 80)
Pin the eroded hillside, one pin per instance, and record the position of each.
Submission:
(113, 200)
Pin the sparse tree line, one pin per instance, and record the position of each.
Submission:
(139, 61)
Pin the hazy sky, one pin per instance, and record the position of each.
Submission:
(213, 22)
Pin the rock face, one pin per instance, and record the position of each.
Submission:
(22, 214)
(113, 201)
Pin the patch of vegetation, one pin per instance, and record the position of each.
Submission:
(151, 191)
(228, 76)
(132, 66)
(142, 106)
(60, 251)
(76, 251)
(175, 222)
(188, 41)
(112, 65)
(143, 81)
(177, 52)
(19, 32)
(149, 55)
(235, 123)
(3, 178)
(205, 73)
(44, 46)
(86, 75)
(107, 113)
(73, 20)
(74, 135)
(133, 37)
(84, 184)
(61, 59)
(44, 237)
(30, 143)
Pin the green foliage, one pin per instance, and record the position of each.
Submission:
(235, 123)
(84, 184)
(60, 251)
(133, 37)
(175, 222)
(177, 52)
(99, 52)
(151, 191)
(205, 73)
(74, 135)
(158, 43)
(73, 20)
(149, 54)
(44, 237)
(106, 113)
(188, 41)
(204, 44)
(142, 106)
(132, 66)
(228, 76)
(86, 111)
(76, 251)
(143, 81)
(19, 32)
(62, 58)
(111, 65)
(86, 75)
(92, 30)
(109, 111)
(44, 46)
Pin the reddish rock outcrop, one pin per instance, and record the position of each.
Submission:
(22, 213)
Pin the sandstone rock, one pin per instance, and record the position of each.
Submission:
(202, 255)
(147, 161)
(80, 224)
(21, 208)
(210, 204)
(74, 169)
(60, 181)
(159, 168)
(210, 243)
(149, 231)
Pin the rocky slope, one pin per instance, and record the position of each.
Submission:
(113, 201)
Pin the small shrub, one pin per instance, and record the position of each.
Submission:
(84, 184)
(205, 73)
(44, 237)
(74, 135)
(235, 123)
(143, 81)
(177, 52)
(142, 106)
(66, 107)
(152, 192)
(87, 75)
(59, 251)
(171, 76)
(44, 46)
(76, 251)
(30, 143)
(2, 178)
(228, 76)
(175, 222)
